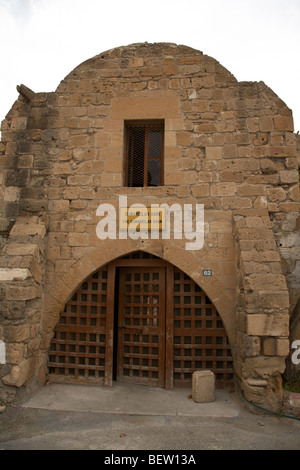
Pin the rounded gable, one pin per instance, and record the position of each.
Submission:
(161, 56)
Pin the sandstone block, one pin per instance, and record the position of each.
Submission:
(235, 202)
(267, 325)
(251, 190)
(35, 269)
(276, 194)
(269, 347)
(276, 347)
(274, 300)
(19, 249)
(283, 123)
(223, 189)
(15, 352)
(11, 194)
(266, 124)
(145, 108)
(263, 367)
(254, 391)
(289, 176)
(200, 190)
(79, 180)
(61, 169)
(79, 239)
(220, 227)
(29, 229)
(203, 386)
(151, 71)
(59, 206)
(252, 346)
(230, 151)
(252, 124)
(71, 193)
(184, 138)
(20, 373)
(282, 151)
(22, 293)
(290, 206)
(213, 153)
(14, 274)
(271, 282)
(17, 334)
(262, 257)
(19, 123)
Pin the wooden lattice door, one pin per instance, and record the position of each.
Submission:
(79, 345)
(157, 330)
(141, 326)
(199, 337)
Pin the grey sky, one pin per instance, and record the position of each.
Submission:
(43, 40)
(19, 9)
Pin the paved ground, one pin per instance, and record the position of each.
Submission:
(139, 418)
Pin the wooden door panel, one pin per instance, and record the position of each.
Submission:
(199, 338)
(78, 348)
(141, 326)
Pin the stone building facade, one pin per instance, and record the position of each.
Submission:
(227, 146)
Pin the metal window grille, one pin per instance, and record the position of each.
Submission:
(144, 154)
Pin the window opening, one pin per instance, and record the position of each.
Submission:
(144, 153)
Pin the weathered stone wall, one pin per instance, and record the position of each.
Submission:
(263, 306)
(228, 145)
(21, 277)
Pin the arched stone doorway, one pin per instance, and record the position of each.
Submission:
(139, 319)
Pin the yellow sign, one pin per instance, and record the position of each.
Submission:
(142, 218)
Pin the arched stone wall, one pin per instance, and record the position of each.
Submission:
(55, 299)
(229, 146)
(111, 313)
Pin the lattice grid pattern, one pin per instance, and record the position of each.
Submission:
(141, 324)
(77, 349)
(200, 340)
(142, 346)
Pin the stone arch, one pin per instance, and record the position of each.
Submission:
(208, 313)
(56, 298)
